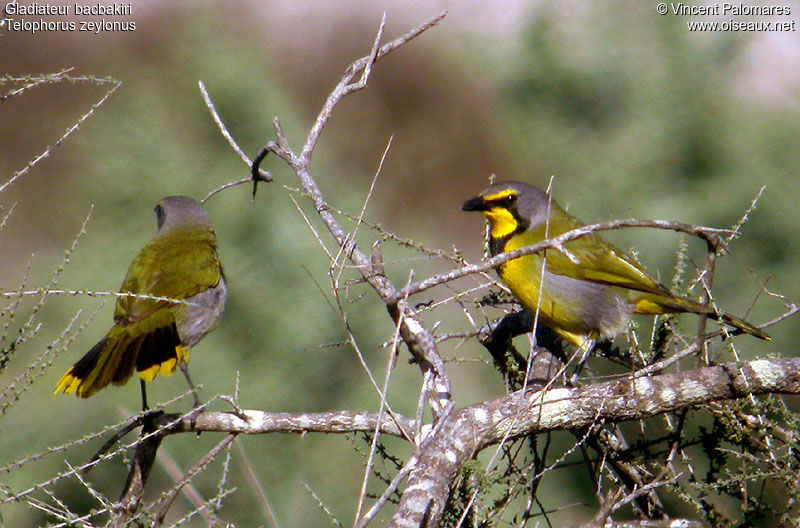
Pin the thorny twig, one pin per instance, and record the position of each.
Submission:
(710, 235)
(417, 337)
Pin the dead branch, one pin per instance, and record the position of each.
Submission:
(143, 459)
(419, 340)
(473, 428)
(259, 422)
(157, 426)
(711, 235)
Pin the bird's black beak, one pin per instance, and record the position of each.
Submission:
(475, 204)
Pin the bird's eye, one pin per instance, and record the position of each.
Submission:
(160, 215)
(511, 199)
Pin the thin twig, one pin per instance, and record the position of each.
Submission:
(419, 340)
(711, 235)
(266, 507)
(203, 462)
(46, 152)
(262, 175)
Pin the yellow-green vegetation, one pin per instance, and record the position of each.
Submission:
(630, 114)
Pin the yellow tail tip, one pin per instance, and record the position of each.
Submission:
(149, 374)
(68, 383)
(166, 368)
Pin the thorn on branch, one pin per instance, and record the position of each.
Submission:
(373, 56)
(256, 174)
(279, 147)
(237, 411)
(280, 137)
(376, 259)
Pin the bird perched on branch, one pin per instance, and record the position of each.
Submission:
(589, 293)
(177, 293)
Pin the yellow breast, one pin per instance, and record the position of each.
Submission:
(576, 310)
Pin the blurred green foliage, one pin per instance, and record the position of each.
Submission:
(631, 114)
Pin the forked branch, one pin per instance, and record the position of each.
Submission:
(419, 339)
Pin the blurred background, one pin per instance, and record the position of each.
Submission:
(628, 112)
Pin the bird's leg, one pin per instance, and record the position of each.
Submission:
(148, 418)
(582, 354)
(145, 408)
(185, 369)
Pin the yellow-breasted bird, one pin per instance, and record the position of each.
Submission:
(581, 301)
(150, 335)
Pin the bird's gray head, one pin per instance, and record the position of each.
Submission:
(511, 207)
(177, 211)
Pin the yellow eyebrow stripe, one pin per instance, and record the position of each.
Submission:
(505, 193)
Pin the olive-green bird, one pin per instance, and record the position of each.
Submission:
(150, 335)
(581, 301)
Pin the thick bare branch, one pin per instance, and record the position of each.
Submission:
(475, 427)
(259, 422)
(647, 523)
(143, 459)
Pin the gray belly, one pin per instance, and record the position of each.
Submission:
(203, 312)
(603, 310)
